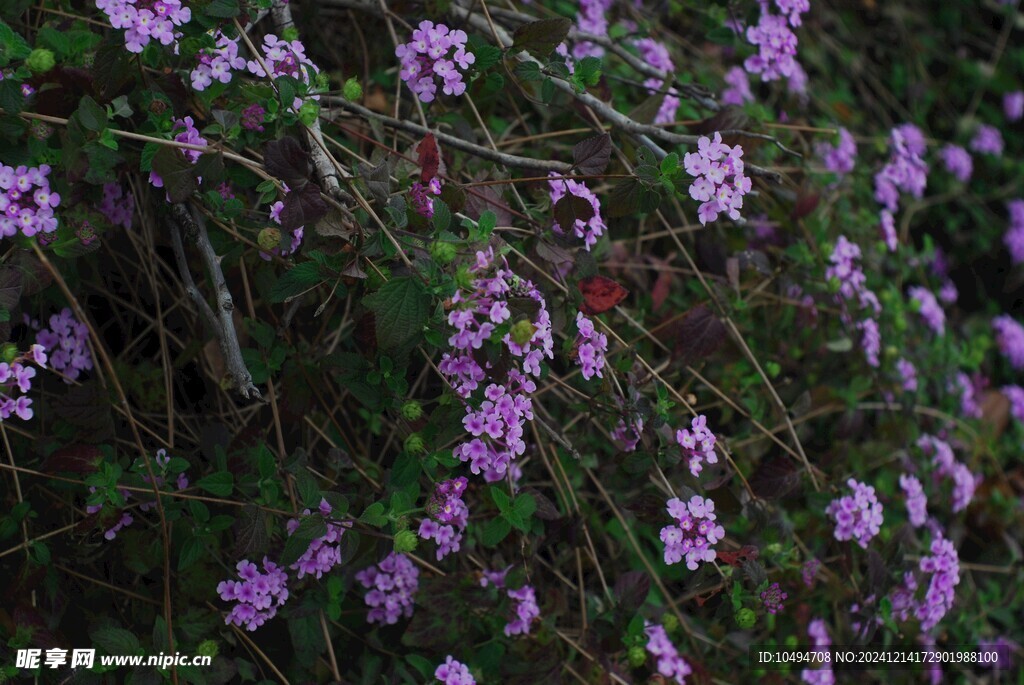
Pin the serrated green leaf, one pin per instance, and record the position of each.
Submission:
(295, 281)
(220, 484)
(91, 115)
(495, 531)
(401, 308)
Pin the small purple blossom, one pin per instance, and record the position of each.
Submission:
(694, 533)
(905, 171)
(1013, 105)
(917, 502)
(590, 347)
(840, 158)
(217, 63)
(448, 516)
(252, 117)
(1014, 236)
(738, 92)
(435, 55)
(719, 183)
(146, 20)
(670, 663)
(1010, 339)
(772, 598)
(26, 201)
(822, 675)
(324, 552)
(284, 58)
(526, 610)
(258, 594)
(957, 161)
(930, 309)
(858, 516)
(776, 43)
(453, 672)
(988, 140)
(391, 585)
(698, 444)
(591, 229)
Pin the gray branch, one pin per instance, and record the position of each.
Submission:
(220, 321)
(451, 141)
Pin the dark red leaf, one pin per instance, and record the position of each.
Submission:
(570, 209)
(302, 207)
(591, 156)
(286, 160)
(698, 335)
(428, 153)
(804, 205)
(600, 294)
(774, 478)
(631, 590)
(745, 553)
(176, 172)
(541, 37)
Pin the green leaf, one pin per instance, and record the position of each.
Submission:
(220, 484)
(310, 528)
(191, 551)
(541, 37)
(12, 45)
(296, 281)
(91, 115)
(488, 220)
(723, 35)
(442, 215)
(528, 71)
(500, 498)
(401, 307)
(486, 57)
(495, 531)
(115, 641)
(374, 515)
(223, 9)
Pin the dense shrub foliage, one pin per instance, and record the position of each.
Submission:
(523, 342)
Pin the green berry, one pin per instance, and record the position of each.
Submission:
(8, 352)
(443, 253)
(289, 34)
(670, 622)
(412, 410)
(637, 656)
(414, 444)
(352, 90)
(40, 60)
(405, 541)
(309, 112)
(269, 238)
(208, 648)
(746, 618)
(522, 331)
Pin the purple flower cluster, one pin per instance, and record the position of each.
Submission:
(946, 465)
(720, 184)
(297, 233)
(669, 662)
(917, 502)
(958, 162)
(453, 672)
(694, 534)
(391, 584)
(118, 205)
(1014, 236)
(857, 516)
(146, 20)
(738, 92)
(252, 117)
(435, 52)
(930, 309)
(968, 389)
(591, 19)
(591, 229)
(217, 63)
(590, 346)
(840, 158)
(1013, 105)
(1010, 339)
(822, 675)
(772, 598)
(808, 571)
(698, 444)
(449, 515)
(285, 58)
(943, 567)
(26, 203)
(988, 140)
(67, 343)
(188, 134)
(776, 43)
(905, 171)
(497, 426)
(655, 53)
(525, 609)
(419, 196)
(258, 594)
(122, 523)
(1015, 394)
(323, 553)
(16, 378)
(844, 268)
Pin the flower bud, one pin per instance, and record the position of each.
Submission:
(308, 113)
(8, 352)
(522, 331)
(442, 252)
(352, 90)
(637, 656)
(414, 444)
(405, 541)
(40, 60)
(269, 238)
(669, 622)
(746, 618)
(412, 410)
(207, 648)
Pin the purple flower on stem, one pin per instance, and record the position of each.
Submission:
(694, 534)
(858, 516)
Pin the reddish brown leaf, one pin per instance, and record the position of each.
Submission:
(661, 289)
(774, 478)
(699, 334)
(804, 205)
(600, 294)
(429, 155)
(745, 553)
